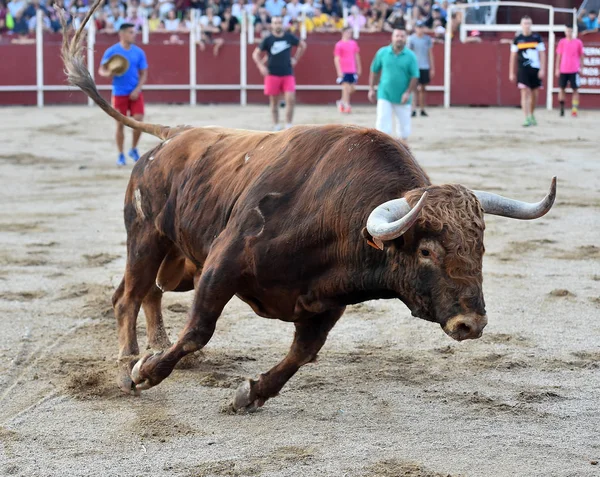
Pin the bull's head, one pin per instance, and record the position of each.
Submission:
(441, 250)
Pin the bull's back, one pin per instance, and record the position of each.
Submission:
(204, 178)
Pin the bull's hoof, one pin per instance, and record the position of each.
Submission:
(124, 380)
(141, 375)
(246, 399)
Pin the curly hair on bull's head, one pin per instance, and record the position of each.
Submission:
(454, 214)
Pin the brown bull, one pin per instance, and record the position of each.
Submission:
(298, 224)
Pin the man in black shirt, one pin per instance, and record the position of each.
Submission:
(529, 51)
(278, 72)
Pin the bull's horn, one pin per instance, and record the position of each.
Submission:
(498, 205)
(391, 219)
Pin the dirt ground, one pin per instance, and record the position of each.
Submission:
(391, 395)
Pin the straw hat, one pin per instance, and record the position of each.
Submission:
(117, 65)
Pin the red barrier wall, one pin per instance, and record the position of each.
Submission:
(479, 73)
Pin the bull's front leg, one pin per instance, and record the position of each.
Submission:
(309, 338)
(215, 288)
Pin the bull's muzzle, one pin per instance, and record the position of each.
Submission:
(465, 327)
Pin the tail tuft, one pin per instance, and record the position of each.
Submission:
(78, 75)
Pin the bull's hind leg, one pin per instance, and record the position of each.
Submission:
(145, 252)
(309, 338)
(216, 286)
(174, 274)
(155, 327)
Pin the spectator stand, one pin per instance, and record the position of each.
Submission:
(551, 28)
(478, 72)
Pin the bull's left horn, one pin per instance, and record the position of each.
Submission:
(391, 219)
(498, 205)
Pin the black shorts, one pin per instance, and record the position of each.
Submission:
(568, 78)
(528, 78)
(351, 78)
(424, 77)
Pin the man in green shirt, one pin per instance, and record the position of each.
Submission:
(396, 69)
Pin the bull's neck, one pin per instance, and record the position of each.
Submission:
(374, 274)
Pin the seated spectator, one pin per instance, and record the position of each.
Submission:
(329, 8)
(422, 12)
(31, 15)
(172, 22)
(135, 19)
(164, 7)
(115, 20)
(307, 8)
(251, 9)
(55, 9)
(455, 22)
(181, 6)
(146, 8)
(436, 14)
(356, 20)
(236, 10)
(294, 8)
(211, 25)
(218, 6)
(230, 22)
(439, 32)
(100, 22)
(262, 20)
(444, 10)
(274, 7)
(286, 18)
(589, 21)
(3, 14)
(111, 5)
(186, 25)
(199, 5)
(395, 20)
(154, 23)
(17, 8)
(296, 25)
(365, 5)
(335, 23)
(375, 21)
(78, 18)
(320, 20)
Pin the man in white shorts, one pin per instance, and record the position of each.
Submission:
(396, 69)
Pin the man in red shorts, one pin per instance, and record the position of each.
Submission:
(127, 96)
(278, 73)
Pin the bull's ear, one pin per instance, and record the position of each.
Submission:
(372, 241)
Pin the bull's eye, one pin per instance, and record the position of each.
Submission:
(425, 252)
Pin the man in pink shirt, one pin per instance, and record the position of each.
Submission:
(568, 61)
(347, 67)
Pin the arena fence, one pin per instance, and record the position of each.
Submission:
(551, 28)
(247, 38)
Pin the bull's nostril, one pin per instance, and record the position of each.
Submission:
(463, 329)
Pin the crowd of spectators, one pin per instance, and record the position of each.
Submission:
(18, 17)
(588, 21)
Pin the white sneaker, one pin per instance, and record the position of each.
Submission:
(277, 127)
(288, 125)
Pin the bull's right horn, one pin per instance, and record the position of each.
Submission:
(497, 205)
(391, 219)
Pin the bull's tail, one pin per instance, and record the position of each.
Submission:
(78, 75)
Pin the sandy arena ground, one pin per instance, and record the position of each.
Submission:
(391, 395)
